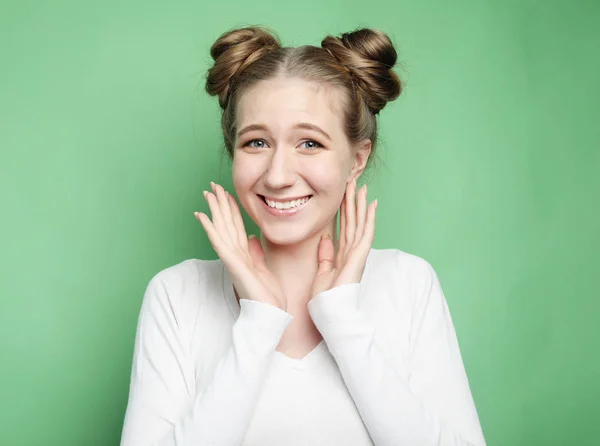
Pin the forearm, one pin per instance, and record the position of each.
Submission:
(220, 414)
(391, 411)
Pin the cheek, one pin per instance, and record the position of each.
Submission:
(328, 178)
(243, 174)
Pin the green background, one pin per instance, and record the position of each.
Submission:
(489, 169)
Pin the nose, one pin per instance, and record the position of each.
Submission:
(280, 169)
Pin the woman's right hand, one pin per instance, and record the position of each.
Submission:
(242, 255)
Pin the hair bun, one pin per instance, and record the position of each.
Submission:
(369, 55)
(232, 52)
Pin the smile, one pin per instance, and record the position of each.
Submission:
(280, 208)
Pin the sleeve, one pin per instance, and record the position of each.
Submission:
(430, 403)
(161, 409)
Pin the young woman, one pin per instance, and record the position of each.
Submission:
(305, 336)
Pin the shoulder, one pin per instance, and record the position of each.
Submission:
(180, 289)
(407, 275)
(185, 274)
(401, 264)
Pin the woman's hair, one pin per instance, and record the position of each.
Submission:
(359, 63)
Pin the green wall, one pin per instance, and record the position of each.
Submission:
(489, 170)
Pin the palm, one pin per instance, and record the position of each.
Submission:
(243, 257)
(357, 231)
(260, 281)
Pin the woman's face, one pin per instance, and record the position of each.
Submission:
(291, 145)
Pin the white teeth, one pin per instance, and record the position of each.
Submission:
(286, 204)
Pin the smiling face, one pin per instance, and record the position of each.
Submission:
(291, 145)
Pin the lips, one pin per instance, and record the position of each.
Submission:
(284, 199)
(284, 212)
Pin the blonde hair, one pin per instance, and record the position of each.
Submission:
(359, 63)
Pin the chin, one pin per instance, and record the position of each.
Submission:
(283, 236)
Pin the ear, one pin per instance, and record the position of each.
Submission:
(362, 152)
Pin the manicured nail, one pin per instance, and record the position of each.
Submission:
(204, 193)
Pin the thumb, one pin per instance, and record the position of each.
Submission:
(326, 255)
(256, 252)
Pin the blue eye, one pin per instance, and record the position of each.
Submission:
(313, 144)
(260, 141)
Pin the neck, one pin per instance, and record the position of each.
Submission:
(296, 265)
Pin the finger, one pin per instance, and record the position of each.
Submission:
(217, 218)
(350, 214)
(238, 222)
(226, 213)
(369, 232)
(213, 234)
(342, 236)
(325, 255)
(256, 252)
(361, 213)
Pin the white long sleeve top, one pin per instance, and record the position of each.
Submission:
(388, 371)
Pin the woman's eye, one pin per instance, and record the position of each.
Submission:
(259, 143)
(310, 144)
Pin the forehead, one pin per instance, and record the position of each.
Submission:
(283, 101)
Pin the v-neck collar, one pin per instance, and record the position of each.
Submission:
(281, 359)
(304, 362)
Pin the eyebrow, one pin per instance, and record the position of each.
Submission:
(302, 125)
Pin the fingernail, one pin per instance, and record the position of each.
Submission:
(376, 202)
(251, 236)
(204, 193)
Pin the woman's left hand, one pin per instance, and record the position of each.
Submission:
(357, 231)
